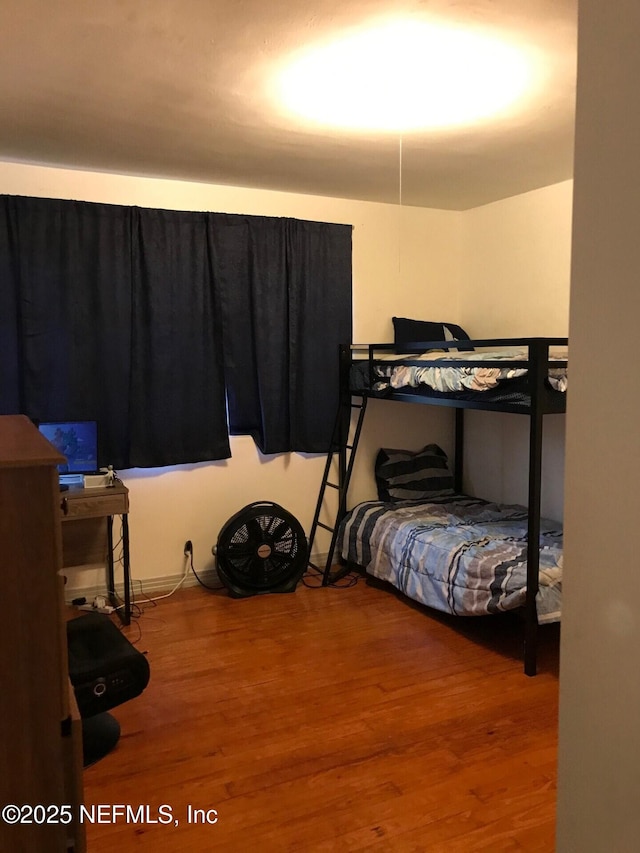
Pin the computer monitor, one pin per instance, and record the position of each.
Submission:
(77, 441)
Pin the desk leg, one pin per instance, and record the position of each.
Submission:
(124, 613)
(125, 565)
(111, 583)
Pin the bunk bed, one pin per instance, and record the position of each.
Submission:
(525, 376)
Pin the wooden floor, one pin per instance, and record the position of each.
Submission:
(331, 720)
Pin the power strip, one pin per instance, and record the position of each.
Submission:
(104, 609)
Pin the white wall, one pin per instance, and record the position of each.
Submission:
(517, 255)
(516, 283)
(599, 755)
(401, 257)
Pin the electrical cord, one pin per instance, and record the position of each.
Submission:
(189, 566)
(314, 573)
(175, 588)
(133, 621)
(142, 593)
(346, 582)
(198, 578)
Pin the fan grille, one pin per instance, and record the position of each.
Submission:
(261, 549)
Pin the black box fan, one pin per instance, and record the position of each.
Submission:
(262, 548)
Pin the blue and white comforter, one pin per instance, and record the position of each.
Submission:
(458, 554)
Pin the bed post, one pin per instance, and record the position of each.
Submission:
(538, 361)
(344, 412)
(458, 467)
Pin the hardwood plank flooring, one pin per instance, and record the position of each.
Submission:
(331, 720)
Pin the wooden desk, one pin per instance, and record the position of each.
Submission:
(87, 534)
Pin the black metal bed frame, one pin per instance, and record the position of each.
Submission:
(542, 401)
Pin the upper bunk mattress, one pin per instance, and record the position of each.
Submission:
(431, 373)
(461, 555)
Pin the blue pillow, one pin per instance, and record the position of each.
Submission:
(406, 330)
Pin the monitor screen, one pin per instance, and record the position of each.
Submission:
(77, 441)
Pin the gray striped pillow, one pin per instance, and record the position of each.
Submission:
(412, 475)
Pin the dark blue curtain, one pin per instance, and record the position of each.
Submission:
(177, 382)
(285, 291)
(68, 266)
(144, 319)
(10, 317)
(109, 330)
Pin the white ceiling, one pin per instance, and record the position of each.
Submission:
(176, 88)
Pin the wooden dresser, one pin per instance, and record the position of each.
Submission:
(40, 730)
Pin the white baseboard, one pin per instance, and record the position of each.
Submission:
(147, 587)
(152, 586)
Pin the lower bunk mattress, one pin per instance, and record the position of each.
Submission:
(458, 554)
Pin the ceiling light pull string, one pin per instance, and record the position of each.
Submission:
(400, 171)
(400, 209)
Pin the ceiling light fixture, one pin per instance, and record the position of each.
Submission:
(403, 76)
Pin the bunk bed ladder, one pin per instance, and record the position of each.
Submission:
(345, 453)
